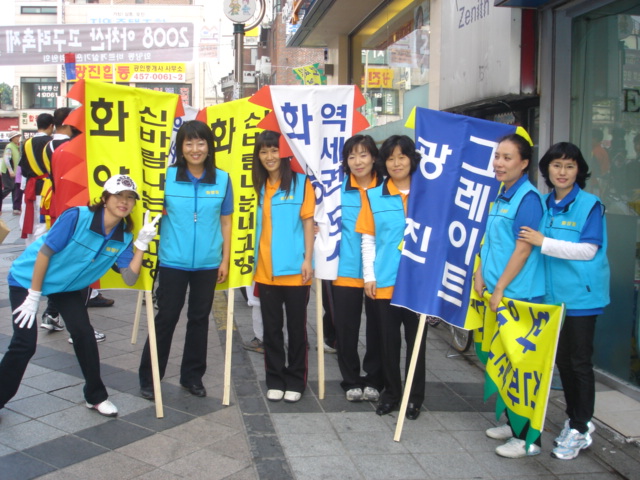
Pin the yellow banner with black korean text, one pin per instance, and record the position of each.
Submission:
(234, 127)
(518, 347)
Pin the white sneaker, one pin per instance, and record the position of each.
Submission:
(502, 432)
(51, 323)
(354, 395)
(105, 408)
(515, 448)
(100, 337)
(274, 395)
(292, 397)
(560, 439)
(329, 349)
(370, 394)
(572, 444)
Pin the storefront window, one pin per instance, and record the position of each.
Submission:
(391, 62)
(605, 123)
(39, 92)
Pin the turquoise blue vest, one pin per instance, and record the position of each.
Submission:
(190, 235)
(581, 285)
(389, 218)
(86, 258)
(350, 242)
(499, 244)
(287, 240)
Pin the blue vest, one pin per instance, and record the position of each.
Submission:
(389, 219)
(191, 236)
(581, 285)
(287, 239)
(86, 258)
(350, 242)
(499, 244)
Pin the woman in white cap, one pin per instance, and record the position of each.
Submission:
(80, 248)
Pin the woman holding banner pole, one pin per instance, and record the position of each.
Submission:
(195, 246)
(382, 223)
(359, 155)
(80, 248)
(284, 250)
(509, 266)
(573, 240)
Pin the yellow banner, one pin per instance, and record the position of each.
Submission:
(132, 72)
(379, 78)
(234, 126)
(310, 75)
(518, 345)
(128, 131)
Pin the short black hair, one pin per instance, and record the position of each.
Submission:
(368, 143)
(196, 129)
(60, 115)
(565, 151)
(44, 121)
(407, 147)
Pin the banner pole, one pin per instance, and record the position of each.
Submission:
(320, 342)
(229, 344)
(136, 318)
(409, 380)
(153, 349)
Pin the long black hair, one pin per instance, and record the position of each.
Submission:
(259, 174)
(565, 151)
(195, 129)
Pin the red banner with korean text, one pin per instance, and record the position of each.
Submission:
(126, 130)
(235, 128)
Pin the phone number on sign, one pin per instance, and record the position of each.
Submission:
(158, 77)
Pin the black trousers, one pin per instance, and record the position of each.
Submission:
(575, 349)
(328, 322)
(72, 306)
(390, 319)
(285, 371)
(347, 315)
(171, 295)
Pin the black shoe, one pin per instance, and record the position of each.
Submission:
(147, 393)
(196, 390)
(100, 301)
(385, 408)
(413, 411)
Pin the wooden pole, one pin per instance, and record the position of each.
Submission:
(320, 332)
(229, 344)
(153, 347)
(136, 319)
(409, 380)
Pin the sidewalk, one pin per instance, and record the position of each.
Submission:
(47, 432)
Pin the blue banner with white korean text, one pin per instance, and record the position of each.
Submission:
(446, 215)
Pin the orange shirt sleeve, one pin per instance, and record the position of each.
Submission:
(309, 204)
(365, 223)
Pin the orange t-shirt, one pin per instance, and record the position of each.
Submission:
(264, 269)
(366, 225)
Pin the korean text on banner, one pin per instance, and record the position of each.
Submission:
(127, 131)
(446, 215)
(235, 128)
(316, 121)
(518, 345)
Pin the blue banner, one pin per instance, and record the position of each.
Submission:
(448, 205)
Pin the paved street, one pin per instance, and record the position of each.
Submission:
(47, 432)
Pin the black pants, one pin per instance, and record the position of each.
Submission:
(16, 197)
(390, 319)
(8, 182)
(72, 306)
(171, 295)
(328, 322)
(285, 371)
(348, 312)
(575, 349)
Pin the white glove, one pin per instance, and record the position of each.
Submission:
(147, 232)
(28, 310)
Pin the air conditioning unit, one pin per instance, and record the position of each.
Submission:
(249, 77)
(265, 66)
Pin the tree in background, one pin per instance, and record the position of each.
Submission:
(6, 94)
